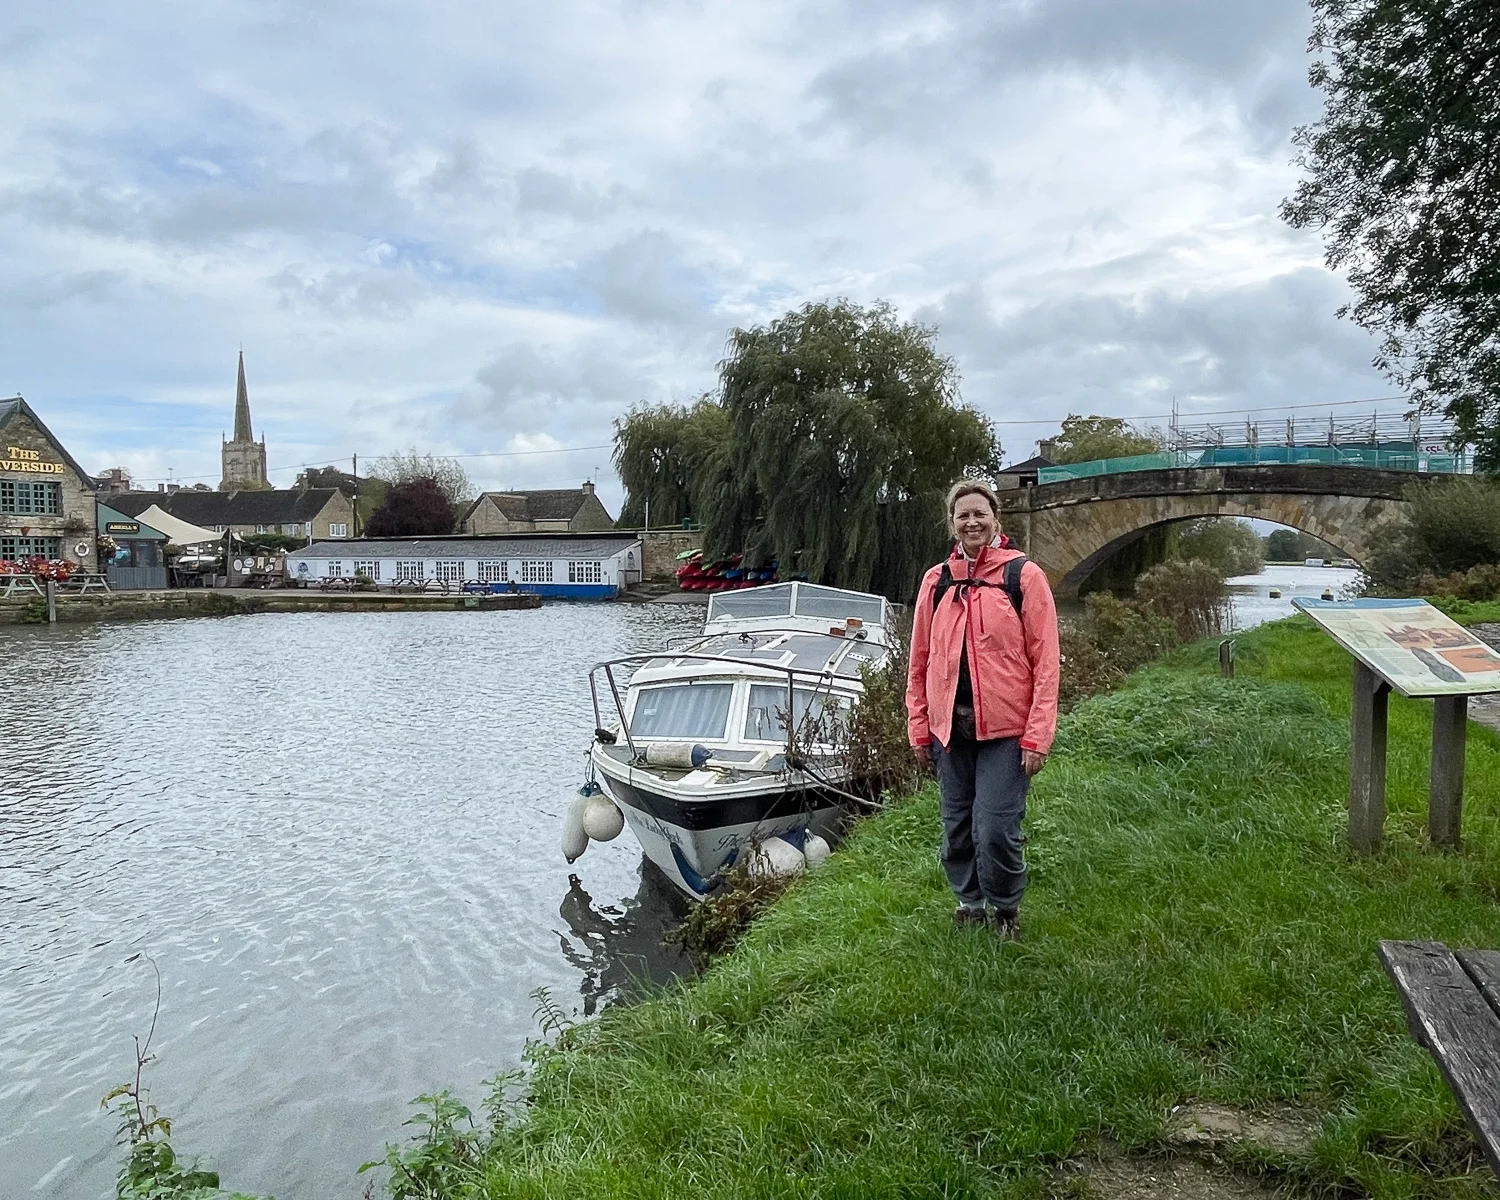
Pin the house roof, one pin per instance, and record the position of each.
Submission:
(534, 546)
(15, 406)
(555, 504)
(1027, 467)
(247, 507)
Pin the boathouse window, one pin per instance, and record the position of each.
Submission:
(536, 572)
(369, 569)
(409, 570)
(684, 710)
(815, 714)
(44, 499)
(586, 572)
(16, 548)
(494, 572)
(449, 571)
(335, 570)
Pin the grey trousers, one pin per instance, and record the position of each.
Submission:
(983, 800)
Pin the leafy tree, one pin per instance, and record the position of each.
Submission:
(836, 431)
(661, 453)
(1085, 439)
(328, 477)
(410, 467)
(1292, 545)
(1230, 546)
(418, 506)
(1403, 177)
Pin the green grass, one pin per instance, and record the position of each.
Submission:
(1195, 929)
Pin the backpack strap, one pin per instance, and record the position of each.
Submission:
(1011, 584)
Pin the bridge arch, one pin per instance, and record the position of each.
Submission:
(1070, 529)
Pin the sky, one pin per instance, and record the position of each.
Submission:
(489, 229)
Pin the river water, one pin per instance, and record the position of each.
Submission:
(336, 836)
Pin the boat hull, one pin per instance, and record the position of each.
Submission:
(691, 837)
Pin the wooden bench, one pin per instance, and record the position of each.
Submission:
(1452, 1006)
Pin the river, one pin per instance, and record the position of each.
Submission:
(336, 836)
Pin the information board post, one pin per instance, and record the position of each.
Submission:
(1450, 724)
(1410, 647)
(1367, 736)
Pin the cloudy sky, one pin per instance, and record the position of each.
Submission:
(487, 229)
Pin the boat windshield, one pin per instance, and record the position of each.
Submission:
(817, 716)
(816, 601)
(682, 710)
(773, 600)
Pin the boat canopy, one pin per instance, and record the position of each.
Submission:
(787, 601)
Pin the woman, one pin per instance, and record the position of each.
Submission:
(981, 702)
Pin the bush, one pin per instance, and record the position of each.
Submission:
(1227, 544)
(1114, 638)
(1192, 595)
(1450, 528)
(879, 755)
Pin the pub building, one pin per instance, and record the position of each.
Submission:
(46, 498)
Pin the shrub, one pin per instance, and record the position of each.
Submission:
(1114, 638)
(879, 755)
(1450, 528)
(1192, 595)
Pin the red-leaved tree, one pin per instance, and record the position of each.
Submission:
(411, 509)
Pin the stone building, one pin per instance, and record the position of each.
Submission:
(243, 458)
(565, 510)
(320, 513)
(46, 498)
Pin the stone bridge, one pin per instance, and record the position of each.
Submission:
(1072, 528)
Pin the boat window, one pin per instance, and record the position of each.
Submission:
(773, 600)
(816, 601)
(682, 710)
(817, 715)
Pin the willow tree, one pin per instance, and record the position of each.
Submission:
(834, 435)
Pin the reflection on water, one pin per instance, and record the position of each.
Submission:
(336, 834)
(1251, 594)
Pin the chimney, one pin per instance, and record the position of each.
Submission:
(588, 487)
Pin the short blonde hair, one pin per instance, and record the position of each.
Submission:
(971, 487)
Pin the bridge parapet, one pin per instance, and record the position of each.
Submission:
(1072, 527)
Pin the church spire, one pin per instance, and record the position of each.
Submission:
(242, 407)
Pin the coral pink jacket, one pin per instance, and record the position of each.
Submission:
(1013, 660)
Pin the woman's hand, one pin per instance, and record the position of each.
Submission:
(923, 755)
(1032, 761)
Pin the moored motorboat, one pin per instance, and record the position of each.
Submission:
(730, 749)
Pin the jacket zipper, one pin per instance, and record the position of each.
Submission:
(974, 645)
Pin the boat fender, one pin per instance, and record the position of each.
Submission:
(816, 850)
(775, 857)
(602, 821)
(677, 756)
(575, 839)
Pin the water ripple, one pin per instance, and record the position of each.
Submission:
(335, 834)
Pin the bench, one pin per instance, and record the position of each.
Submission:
(1452, 1006)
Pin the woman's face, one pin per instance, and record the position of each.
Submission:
(974, 522)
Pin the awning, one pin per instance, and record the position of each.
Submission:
(180, 533)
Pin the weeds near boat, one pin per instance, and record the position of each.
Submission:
(717, 923)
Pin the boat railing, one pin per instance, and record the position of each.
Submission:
(822, 676)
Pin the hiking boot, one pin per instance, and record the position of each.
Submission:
(1006, 924)
(968, 915)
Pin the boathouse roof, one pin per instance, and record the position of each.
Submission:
(513, 546)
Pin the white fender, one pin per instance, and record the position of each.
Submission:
(575, 839)
(775, 857)
(602, 821)
(815, 850)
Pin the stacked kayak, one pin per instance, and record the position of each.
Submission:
(694, 575)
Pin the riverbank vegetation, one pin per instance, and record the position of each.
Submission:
(1195, 931)
(1446, 544)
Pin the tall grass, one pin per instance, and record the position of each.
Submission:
(1195, 928)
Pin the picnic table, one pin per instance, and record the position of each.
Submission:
(14, 585)
(85, 582)
(1452, 1003)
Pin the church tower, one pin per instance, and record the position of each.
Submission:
(244, 459)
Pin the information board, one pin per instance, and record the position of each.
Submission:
(1417, 649)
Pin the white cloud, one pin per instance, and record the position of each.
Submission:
(475, 227)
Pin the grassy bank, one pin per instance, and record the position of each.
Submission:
(1195, 930)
